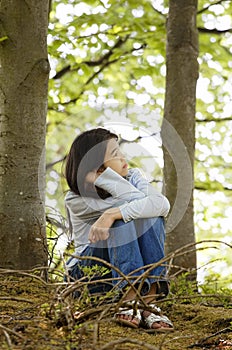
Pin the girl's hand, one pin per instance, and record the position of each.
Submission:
(100, 229)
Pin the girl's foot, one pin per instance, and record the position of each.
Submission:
(128, 317)
(155, 321)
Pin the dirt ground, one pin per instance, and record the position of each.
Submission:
(37, 315)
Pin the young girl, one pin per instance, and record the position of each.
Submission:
(116, 215)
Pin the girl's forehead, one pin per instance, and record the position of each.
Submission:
(111, 145)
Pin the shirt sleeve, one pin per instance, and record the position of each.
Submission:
(142, 199)
(117, 186)
(87, 208)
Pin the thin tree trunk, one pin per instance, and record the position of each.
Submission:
(24, 74)
(178, 128)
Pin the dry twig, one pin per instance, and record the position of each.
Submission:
(8, 330)
(8, 340)
(113, 343)
(22, 300)
(201, 342)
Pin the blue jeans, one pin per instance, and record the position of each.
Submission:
(130, 247)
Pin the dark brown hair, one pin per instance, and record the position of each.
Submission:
(86, 154)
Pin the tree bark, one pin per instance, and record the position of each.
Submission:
(24, 71)
(178, 128)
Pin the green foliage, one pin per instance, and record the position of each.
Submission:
(97, 40)
(3, 38)
(213, 291)
(214, 283)
(94, 271)
(182, 286)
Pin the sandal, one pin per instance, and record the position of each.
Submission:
(156, 317)
(131, 314)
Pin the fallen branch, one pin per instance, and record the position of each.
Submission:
(8, 340)
(17, 299)
(201, 342)
(171, 340)
(24, 273)
(144, 345)
(8, 330)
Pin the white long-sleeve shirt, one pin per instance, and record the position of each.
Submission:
(134, 196)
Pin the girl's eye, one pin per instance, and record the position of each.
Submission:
(115, 153)
(118, 153)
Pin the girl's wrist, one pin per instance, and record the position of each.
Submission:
(115, 213)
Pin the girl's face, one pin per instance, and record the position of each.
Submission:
(114, 158)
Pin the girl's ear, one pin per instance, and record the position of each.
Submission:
(101, 169)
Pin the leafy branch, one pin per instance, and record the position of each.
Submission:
(204, 9)
(104, 65)
(216, 187)
(214, 31)
(101, 61)
(217, 120)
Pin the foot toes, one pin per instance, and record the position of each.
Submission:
(156, 325)
(158, 322)
(127, 317)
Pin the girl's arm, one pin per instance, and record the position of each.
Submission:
(117, 186)
(100, 229)
(122, 191)
(142, 201)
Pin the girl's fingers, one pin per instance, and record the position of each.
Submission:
(92, 237)
(106, 236)
(97, 234)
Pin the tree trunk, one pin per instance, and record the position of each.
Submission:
(178, 128)
(24, 71)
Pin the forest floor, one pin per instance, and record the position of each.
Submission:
(38, 315)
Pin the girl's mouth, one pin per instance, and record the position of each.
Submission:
(125, 166)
